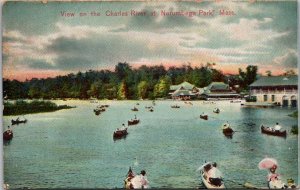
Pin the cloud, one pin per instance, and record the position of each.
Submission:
(242, 39)
(288, 60)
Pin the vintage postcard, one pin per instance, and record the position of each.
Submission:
(148, 94)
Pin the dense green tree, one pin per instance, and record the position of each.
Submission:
(161, 89)
(142, 89)
(95, 89)
(124, 82)
(122, 91)
(247, 77)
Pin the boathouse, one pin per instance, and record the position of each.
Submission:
(218, 90)
(280, 90)
(183, 91)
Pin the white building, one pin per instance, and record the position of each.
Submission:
(281, 90)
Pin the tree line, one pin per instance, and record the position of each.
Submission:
(125, 82)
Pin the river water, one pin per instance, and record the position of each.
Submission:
(74, 148)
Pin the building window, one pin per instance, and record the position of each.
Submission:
(265, 98)
(273, 98)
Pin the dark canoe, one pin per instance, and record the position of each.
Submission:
(134, 109)
(216, 111)
(120, 133)
(205, 117)
(175, 106)
(228, 131)
(8, 135)
(271, 131)
(16, 122)
(133, 122)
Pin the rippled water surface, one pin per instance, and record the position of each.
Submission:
(74, 148)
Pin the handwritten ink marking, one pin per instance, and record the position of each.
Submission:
(66, 14)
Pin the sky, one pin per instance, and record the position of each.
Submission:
(39, 42)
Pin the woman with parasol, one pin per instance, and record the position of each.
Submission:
(274, 182)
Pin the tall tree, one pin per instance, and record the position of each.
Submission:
(247, 77)
(161, 89)
(123, 91)
(142, 89)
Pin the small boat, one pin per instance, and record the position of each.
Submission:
(175, 106)
(8, 135)
(277, 184)
(17, 121)
(272, 131)
(204, 116)
(134, 109)
(227, 130)
(100, 106)
(133, 121)
(211, 176)
(216, 110)
(235, 101)
(119, 133)
(136, 181)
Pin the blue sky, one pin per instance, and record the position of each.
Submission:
(39, 42)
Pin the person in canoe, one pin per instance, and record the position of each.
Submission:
(136, 182)
(277, 127)
(272, 176)
(144, 180)
(130, 175)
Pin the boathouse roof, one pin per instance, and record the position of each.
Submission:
(276, 81)
(217, 86)
(181, 92)
(185, 85)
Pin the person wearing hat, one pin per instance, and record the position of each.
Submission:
(144, 181)
(272, 176)
(277, 127)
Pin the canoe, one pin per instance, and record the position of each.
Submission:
(134, 109)
(135, 181)
(176, 106)
(216, 110)
(16, 122)
(8, 135)
(211, 176)
(133, 122)
(227, 130)
(120, 133)
(277, 184)
(203, 116)
(272, 131)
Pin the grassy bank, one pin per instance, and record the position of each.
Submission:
(294, 114)
(21, 107)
